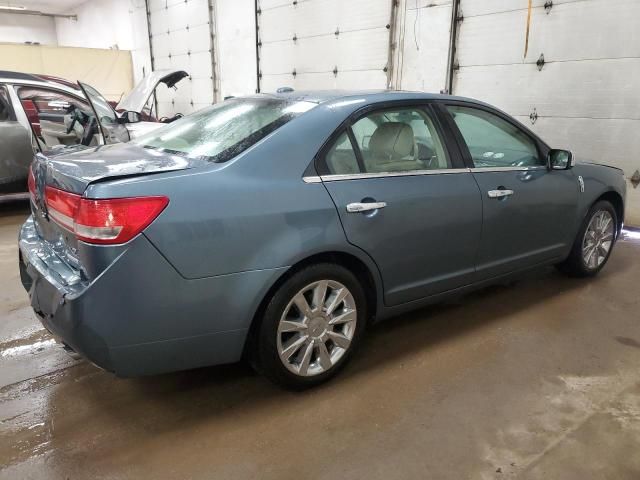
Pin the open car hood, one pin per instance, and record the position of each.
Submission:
(137, 98)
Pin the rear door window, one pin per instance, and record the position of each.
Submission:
(341, 158)
(388, 141)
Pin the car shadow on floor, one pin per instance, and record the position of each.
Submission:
(178, 400)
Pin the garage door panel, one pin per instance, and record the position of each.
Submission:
(193, 12)
(270, 83)
(473, 8)
(181, 39)
(370, 79)
(200, 90)
(425, 54)
(199, 39)
(351, 51)
(582, 30)
(569, 89)
(270, 4)
(159, 23)
(492, 39)
(614, 142)
(156, 5)
(161, 45)
(361, 45)
(322, 17)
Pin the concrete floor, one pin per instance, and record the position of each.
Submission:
(536, 380)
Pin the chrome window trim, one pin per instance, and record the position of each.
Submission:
(507, 169)
(413, 173)
(407, 173)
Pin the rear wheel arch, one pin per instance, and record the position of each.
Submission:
(347, 260)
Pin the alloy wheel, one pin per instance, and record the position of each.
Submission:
(598, 239)
(316, 328)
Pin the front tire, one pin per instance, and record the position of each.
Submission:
(311, 326)
(594, 243)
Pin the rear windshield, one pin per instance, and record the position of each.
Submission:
(221, 132)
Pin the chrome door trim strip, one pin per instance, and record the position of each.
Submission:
(362, 176)
(412, 173)
(507, 169)
(312, 179)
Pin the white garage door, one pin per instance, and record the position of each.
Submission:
(315, 44)
(586, 94)
(181, 34)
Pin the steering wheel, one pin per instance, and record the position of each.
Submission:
(89, 130)
(75, 117)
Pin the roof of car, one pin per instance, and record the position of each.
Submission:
(19, 76)
(323, 96)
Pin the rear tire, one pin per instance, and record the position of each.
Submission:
(594, 243)
(311, 327)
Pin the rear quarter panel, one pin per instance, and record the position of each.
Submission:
(252, 213)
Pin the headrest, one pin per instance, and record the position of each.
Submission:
(392, 141)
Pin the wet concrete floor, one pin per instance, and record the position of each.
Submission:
(539, 379)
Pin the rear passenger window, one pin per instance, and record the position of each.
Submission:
(341, 158)
(399, 140)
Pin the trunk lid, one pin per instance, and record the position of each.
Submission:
(73, 172)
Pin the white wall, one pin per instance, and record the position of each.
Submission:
(27, 28)
(117, 24)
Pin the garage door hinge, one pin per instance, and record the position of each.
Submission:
(295, 38)
(635, 179)
(548, 6)
(533, 116)
(335, 71)
(294, 73)
(337, 32)
(460, 17)
(540, 62)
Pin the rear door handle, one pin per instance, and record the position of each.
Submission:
(365, 207)
(499, 193)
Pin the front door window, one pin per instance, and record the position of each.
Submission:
(494, 142)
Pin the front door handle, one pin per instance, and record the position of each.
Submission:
(499, 193)
(365, 207)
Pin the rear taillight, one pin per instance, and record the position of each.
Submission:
(103, 221)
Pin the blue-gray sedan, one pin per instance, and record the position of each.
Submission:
(278, 227)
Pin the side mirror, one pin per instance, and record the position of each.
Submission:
(559, 159)
(129, 117)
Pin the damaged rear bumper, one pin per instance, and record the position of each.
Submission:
(139, 316)
(54, 289)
